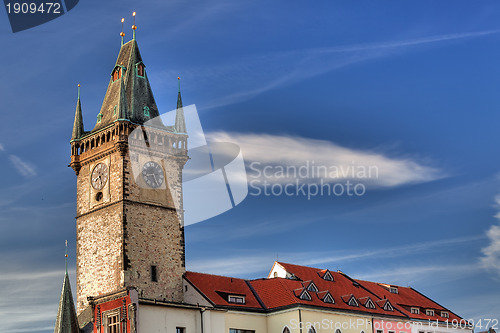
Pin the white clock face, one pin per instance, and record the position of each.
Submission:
(99, 176)
(152, 173)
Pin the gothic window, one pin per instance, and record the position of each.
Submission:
(286, 330)
(117, 73)
(114, 111)
(140, 69)
(146, 111)
(99, 117)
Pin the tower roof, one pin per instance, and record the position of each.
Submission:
(180, 122)
(78, 124)
(66, 321)
(129, 83)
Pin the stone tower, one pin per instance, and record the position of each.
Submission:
(129, 190)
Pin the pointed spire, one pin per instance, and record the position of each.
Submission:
(66, 321)
(134, 27)
(180, 122)
(122, 33)
(78, 124)
(122, 103)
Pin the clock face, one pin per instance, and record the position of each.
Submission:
(99, 176)
(152, 174)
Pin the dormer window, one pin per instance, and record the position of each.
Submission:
(369, 304)
(429, 312)
(236, 299)
(140, 69)
(146, 111)
(445, 314)
(388, 306)
(328, 276)
(394, 290)
(117, 73)
(99, 117)
(305, 296)
(312, 287)
(415, 310)
(352, 301)
(328, 298)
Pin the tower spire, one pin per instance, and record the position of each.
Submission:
(66, 321)
(78, 124)
(180, 122)
(134, 27)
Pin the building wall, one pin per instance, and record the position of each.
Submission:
(165, 319)
(388, 326)
(245, 321)
(322, 321)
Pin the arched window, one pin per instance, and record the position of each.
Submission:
(117, 73)
(286, 330)
(140, 69)
(275, 274)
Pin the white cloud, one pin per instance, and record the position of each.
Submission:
(284, 159)
(491, 258)
(26, 169)
(2, 148)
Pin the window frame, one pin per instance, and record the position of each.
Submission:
(430, 312)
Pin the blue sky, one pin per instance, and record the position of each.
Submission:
(409, 86)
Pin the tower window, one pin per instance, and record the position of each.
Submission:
(114, 111)
(154, 273)
(117, 73)
(99, 117)
(140, 69)
(146, 111)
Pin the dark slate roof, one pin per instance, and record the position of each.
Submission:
(133, 89)
(78, 124)
(66, 321)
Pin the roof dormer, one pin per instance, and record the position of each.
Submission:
(312, 287)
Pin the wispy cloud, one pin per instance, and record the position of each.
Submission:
(285, 68)
(284, 159)
(491, 254)
(2, 148)
(24, 168)
(247, 265)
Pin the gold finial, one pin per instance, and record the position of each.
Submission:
(66, 257)
(134, 27)
(78, 95)
(122, 34)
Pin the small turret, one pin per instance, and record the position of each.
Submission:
(66, 321)
(78, 124)
(180, 122)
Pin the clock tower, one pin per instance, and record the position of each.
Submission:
(129, 214)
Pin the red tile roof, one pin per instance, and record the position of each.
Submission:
(217, 289)
(406, 298)
(274, 293)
